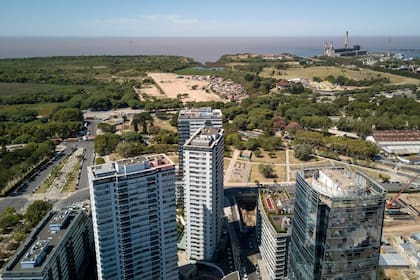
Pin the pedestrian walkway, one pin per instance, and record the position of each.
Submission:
(229, 170)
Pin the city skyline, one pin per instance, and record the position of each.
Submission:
(215, 18)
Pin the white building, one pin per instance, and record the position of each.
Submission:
(189, 121)
(59, 247)
(274, 216)
(134, 223)
(203, 179)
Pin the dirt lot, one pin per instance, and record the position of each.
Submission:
(172, 85)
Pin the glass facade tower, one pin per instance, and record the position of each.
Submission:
(337, 225)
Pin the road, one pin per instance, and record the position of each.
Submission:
(244, 243)
(24, 195)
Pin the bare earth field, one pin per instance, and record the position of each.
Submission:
(323, 71)
(172, 85)
(150, 90)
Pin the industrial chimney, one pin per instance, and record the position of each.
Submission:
(346, 40)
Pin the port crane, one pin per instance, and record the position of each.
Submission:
(390, 204)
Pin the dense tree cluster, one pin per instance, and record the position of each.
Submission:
(303, 151)
(84, 70)
(351, 147)
(131, 144)
(36, 212)
(344, 81)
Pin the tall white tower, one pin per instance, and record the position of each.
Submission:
(203, 179)
(134, 223)
(189, 121)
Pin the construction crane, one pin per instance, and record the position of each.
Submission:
(390, 204)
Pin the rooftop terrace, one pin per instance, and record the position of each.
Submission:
(130, 165)
(341, 182)
(278, 206)
(199, 112)
(205, 137)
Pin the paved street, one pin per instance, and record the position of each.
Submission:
(24, 195)
(244, 243)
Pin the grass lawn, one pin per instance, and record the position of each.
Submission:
(294, 160)
(280, 157)
(164, 124)
(43, 109)
(324, 71)
(13, 89)
(255, 174)
(281, 172)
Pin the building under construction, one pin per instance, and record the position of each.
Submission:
(329, 49)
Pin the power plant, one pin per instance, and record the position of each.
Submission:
(329, 49)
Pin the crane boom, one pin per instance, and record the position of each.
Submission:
(391, 203)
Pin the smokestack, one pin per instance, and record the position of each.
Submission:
(346, 40)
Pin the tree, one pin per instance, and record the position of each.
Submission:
(142, 119)
(9, 218)
(297, 88)
(105, 127)
(240, 121)
(384, 178)
(106, 144)
(174, 119)
(36, 211)
(68, 114)
(252, 144)
(98, 103)
(303, 152)
(267, 171)
(131, 136)
(129, 149)
(99, 160)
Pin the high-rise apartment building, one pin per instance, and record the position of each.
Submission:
(60, 247)
(203, 179)
(134, 223)
(189, 121)
(337, 225)
(274, 219)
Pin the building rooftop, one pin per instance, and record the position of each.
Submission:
(392, 260)
(205, 137)
(278, 206)
(39, 247)
(130, 165)
(203, 112)
(341, 182)
(396, 135)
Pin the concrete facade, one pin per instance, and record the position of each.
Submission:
(203, 178)
(134, 222)
(189, 121)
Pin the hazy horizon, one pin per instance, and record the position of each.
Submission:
(201, 49)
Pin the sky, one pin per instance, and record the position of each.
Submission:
(211, 18)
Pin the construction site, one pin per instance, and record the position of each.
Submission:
(400, 251)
